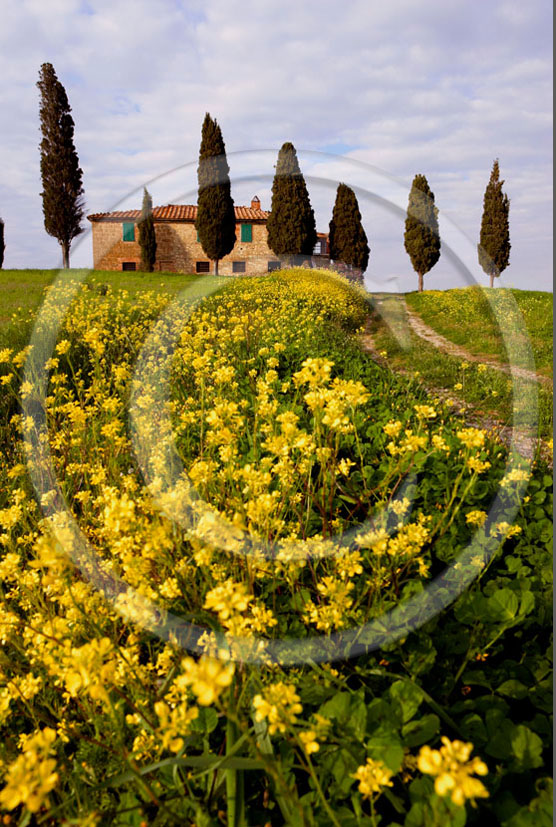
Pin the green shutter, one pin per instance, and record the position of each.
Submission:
(128, 231)
(198, 239)
(247, 232)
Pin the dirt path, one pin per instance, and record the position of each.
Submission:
(429, 335)
(523, 441)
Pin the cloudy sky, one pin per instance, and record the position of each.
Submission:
(369, 92)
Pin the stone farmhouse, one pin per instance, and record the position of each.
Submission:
(115, 244)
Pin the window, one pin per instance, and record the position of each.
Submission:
(129, 265)
(202, 266)
(198, 239)
(238, 267)
(128, 231)
(273, 265)
(247, 232)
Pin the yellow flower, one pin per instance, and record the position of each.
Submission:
(207, 678)
(481, 368)
(314, 372)
(279, 705)
(392, 428)
(63, 346)
(309, 741)
(458, 386)
(32, 775)
(425, 411)
(476, 517)
(506, 530)
(472, 437)
(174, 723)
(515, 475)
(227, 599)
(477, 465)
(440, 444)
(372, 776)
(452, 769)
(261, 619)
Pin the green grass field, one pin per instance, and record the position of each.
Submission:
(22, 292)
(24, 289)
(489, 391)
(373, 578)
(477, 319)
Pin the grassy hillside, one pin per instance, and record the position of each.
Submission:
(335, 677)
(471, 317)
(489, 391)
(23, 291)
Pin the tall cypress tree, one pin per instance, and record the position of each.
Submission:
(291, 229)
(146, 234)
(215, 222)
(62, 195)
(494, 240)
(421, 238)
(2, 244)
(346, 237)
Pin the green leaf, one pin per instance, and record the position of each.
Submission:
(526, 747)
(129, 811)
(471, 609)
(206, 720)
(499, 745)
(538, 813)
(416, 733)
(501, 607)
(473, 729)
(348, 710)
(513, 689)
(337, 708)
(343, 766)
(408, 696)
(527, 603)
(391, 754)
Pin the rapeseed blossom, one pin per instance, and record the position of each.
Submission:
(275, 452)
(453, 771)
(373, 776)
(278, 705)
(32, 776)
(207, 678)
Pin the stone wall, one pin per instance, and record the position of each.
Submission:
(177, 248)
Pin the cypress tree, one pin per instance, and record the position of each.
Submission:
(146, 234)
(62, 195)
(2, 244)
(494, 240)
(346, 237)
(215, 222)
(291, 229)
(422, 239)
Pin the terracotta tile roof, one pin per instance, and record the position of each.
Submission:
(176, 212)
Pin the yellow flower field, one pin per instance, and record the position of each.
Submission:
(221, 529)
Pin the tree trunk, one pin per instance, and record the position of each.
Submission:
(216, 267)
(65, 255)
(420, 275)
(492, 279)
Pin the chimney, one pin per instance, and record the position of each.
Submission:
(255, 203)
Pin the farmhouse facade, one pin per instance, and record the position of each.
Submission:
(116, 247)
